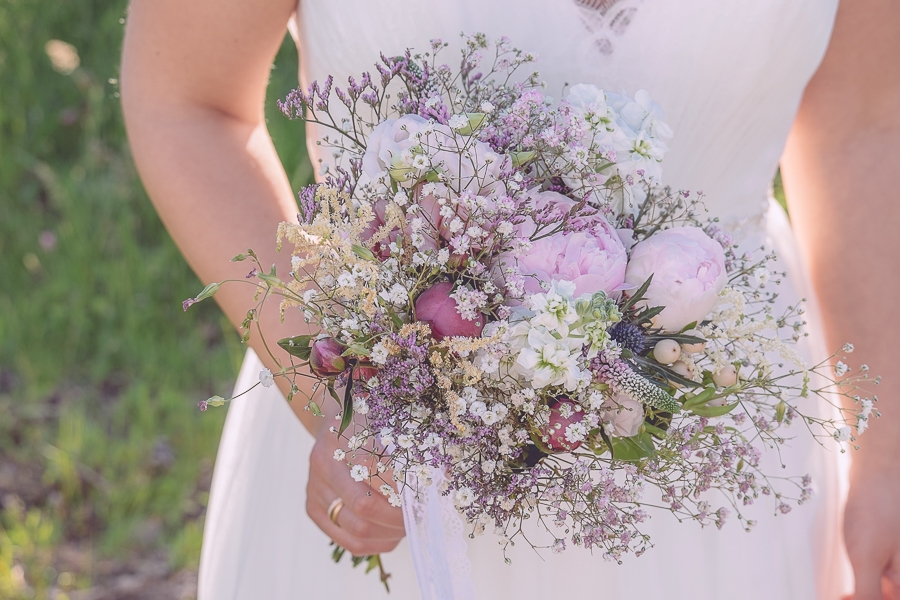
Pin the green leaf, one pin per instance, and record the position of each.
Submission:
(678, 337)
(655, 431)
(698, 399)
(355, 350)
(663, 373)
(315, 409)
(520, 158)
(539, 443)
(395, 319)
(646, 315)
(608, 442)
(475, 121)
(240, 258)
(373, 563)
(348, 403)
(634, 449)
(333, 393)
(714, 411)
(298, 345)
(363, 252)
(637, 296)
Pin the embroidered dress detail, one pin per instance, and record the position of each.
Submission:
(606, 20)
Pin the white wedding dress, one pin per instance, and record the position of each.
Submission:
(730, 75)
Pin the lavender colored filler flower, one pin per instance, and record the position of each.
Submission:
(453, 205)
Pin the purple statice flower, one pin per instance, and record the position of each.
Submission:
(307, 206)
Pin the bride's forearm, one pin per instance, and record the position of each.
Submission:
(841, 169)
(845, 208)
(219, 187)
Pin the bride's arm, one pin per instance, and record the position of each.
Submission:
(194, 77)
(841, 172)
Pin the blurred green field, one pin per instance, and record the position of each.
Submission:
(105, 461)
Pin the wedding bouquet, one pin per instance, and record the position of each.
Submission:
(515, 313)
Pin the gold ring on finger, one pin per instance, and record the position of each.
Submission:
(334, 509)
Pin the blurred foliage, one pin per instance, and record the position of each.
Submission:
(103, 454)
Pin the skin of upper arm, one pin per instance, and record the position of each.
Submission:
(856, 89)
(213, 54)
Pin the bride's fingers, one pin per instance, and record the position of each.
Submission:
(359, 497)
(341, 534)
(355, 523)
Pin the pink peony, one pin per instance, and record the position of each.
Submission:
(467, 165)
(435, 307)
(624, 414)
(325, 358)
(688, 269)
(594, 259)
(390, 147)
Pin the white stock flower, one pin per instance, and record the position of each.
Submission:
(548, 361)
(554, 309)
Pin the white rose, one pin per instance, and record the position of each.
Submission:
(624, 414)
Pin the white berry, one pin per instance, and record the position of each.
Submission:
(666, 351)
(727, 376)
(681, 368)
(693, 348)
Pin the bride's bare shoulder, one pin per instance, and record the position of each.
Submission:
(209, 51)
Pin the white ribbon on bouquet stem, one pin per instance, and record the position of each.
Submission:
(436, 540)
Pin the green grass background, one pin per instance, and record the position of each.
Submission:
(102, 450)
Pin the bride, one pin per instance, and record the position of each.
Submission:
(745, 85)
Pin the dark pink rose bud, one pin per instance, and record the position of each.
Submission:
(435, 307)
(559, 424)
(325, 358)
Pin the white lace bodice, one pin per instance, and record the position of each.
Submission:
(729, 73)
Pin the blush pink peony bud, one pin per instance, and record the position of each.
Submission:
(325, 358)
(435, 307)
(688, 269)
(556, 430)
